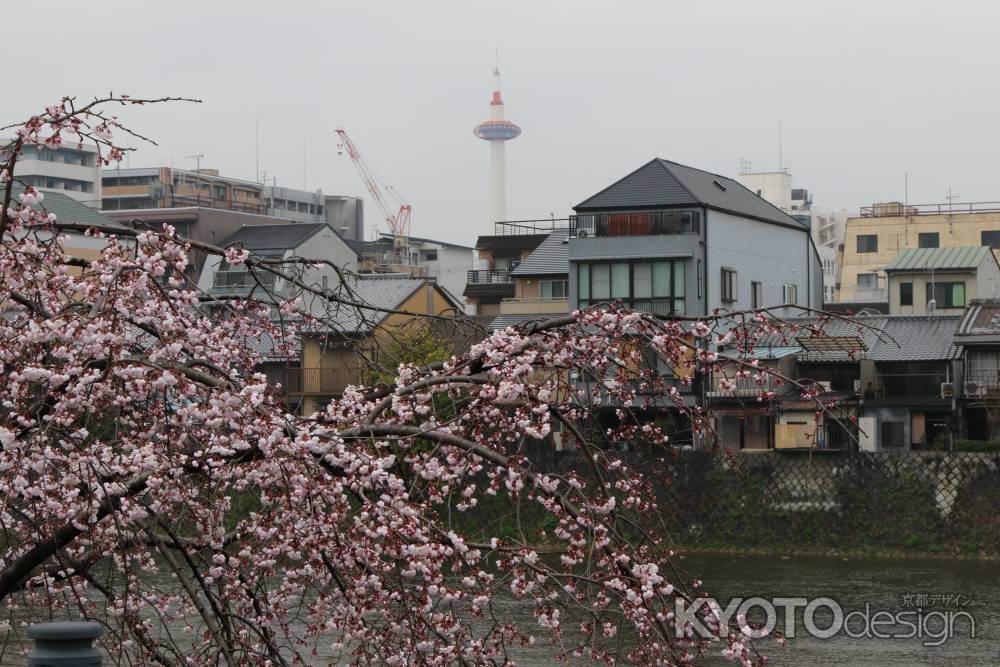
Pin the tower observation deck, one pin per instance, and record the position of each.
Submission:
(497, 130)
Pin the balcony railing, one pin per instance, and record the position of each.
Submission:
(743, 387)
(320, 381)
(531, 306)
(329, 381)
(290, 379)
(531, 227)
(241, 279)
(906, 385)
(488, 277)
(862, 294)
(640, 223)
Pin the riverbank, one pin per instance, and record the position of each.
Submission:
(889, 504)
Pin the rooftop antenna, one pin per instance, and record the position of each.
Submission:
(197, 160)
(781, 163)
(950, 198)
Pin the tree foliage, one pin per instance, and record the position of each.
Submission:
(151, 480)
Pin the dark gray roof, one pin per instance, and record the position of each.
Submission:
(980, 323)
(381, 290)
(662, 183)
(918, 338)
(274, 237)
(551, 257)
(885, 338)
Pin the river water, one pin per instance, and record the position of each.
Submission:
(888, 585)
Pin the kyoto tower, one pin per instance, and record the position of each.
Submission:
(497, 130)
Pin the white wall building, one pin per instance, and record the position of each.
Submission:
(71, 171)
(447, 263)
(826, 225)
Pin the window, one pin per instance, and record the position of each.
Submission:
(554, 289)
(789, 293)
(867, 280)
(219, 192)
(730, 290)
(893, 434)
(946, 295)
(430, 255)
(906, 294)
(929, 240)
(756, 295)
(990, 238)
(868, 243)
(646, 286)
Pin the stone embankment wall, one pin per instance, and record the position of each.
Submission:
(887, 502)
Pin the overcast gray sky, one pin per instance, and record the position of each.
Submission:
(865, 91)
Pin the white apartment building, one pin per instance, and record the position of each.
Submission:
(826, 225)
(73, 171)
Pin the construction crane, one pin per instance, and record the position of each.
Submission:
(399, 222)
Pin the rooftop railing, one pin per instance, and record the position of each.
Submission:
(531, 227)
(898, 209)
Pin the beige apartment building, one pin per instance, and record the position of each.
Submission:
(873, 239)
(166, 187)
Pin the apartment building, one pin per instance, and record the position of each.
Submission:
(446, 263)
(294, 205)
(167, 187)
(541, 284)
(499, 255)
(881, 231)
(281, 241)
(673, 239)
(70, 170)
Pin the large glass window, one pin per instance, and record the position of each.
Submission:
(647, 286)
(554, 289)
(600, 282)
(946, 295)
(867, 280)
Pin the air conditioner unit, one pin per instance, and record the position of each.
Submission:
(973, 389)
(857, 386)
(825, 386)
(581, 233)
(947, 390)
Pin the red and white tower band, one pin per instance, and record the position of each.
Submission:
(497, 130)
